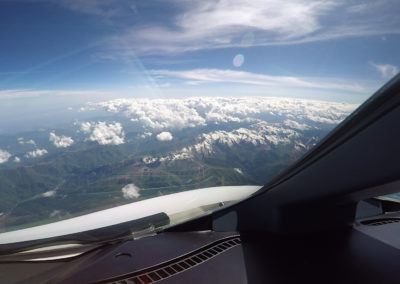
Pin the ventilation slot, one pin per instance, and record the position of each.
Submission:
(179, 265)
(379, 222)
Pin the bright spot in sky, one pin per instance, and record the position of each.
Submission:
(238, 60)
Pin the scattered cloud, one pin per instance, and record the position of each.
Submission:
(387, 71)
(242, 77)
(17, 160)
(4, 156)
(36, 153)
(130, 191)
(104, 133)
(60, 141)
(146, 134)
(164, 136)
(30, 141)
(259, 133)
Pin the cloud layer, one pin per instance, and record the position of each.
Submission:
(163, 114)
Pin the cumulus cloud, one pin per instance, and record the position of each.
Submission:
(4, 156)
(60, 141)
(164, 136)
(146, 134)
(164, 114)
(130, 191)
(17, 160)
(104, 133)
(36, 153)
(387, 71)
(85, 127)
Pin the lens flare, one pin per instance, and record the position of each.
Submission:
(238, 60)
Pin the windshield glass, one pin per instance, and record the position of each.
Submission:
(106, 104)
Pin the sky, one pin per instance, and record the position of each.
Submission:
(72, 51)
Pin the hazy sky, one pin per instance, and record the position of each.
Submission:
(94, 49)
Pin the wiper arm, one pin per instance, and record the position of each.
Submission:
(98, 236)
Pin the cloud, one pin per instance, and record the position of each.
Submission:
(210, 24)
(22, 93)
(130, 191)
(146, 134)
(60, 141)
(107, 9)
(104, 133)
(194, 112)
(17, 160)
(85, 127)
(49, 193)
(22, 141)
(156, 114)
(164, 136)
(36, 153)
(387, 71)
(4, 156)
(259, 133)
(295, 125)
(242, 77)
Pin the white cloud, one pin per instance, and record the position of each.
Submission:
(55, 213)
(4, 156)
(259, 133)
(60, 141)
(387, 71)
(17, 160)
(212, 24)
(21, 93)
(22, 141)
(130, 191)
(49, 193)
(164, 136)
(233, 76)
(85, 127)
(165, 114)
(146, 134)
(238, 170)
(296, 125)
(104, 133)
(36, 153)
(157, 113)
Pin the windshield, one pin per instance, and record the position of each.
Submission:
(155, 104)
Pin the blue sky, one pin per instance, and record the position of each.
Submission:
(94, 49)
